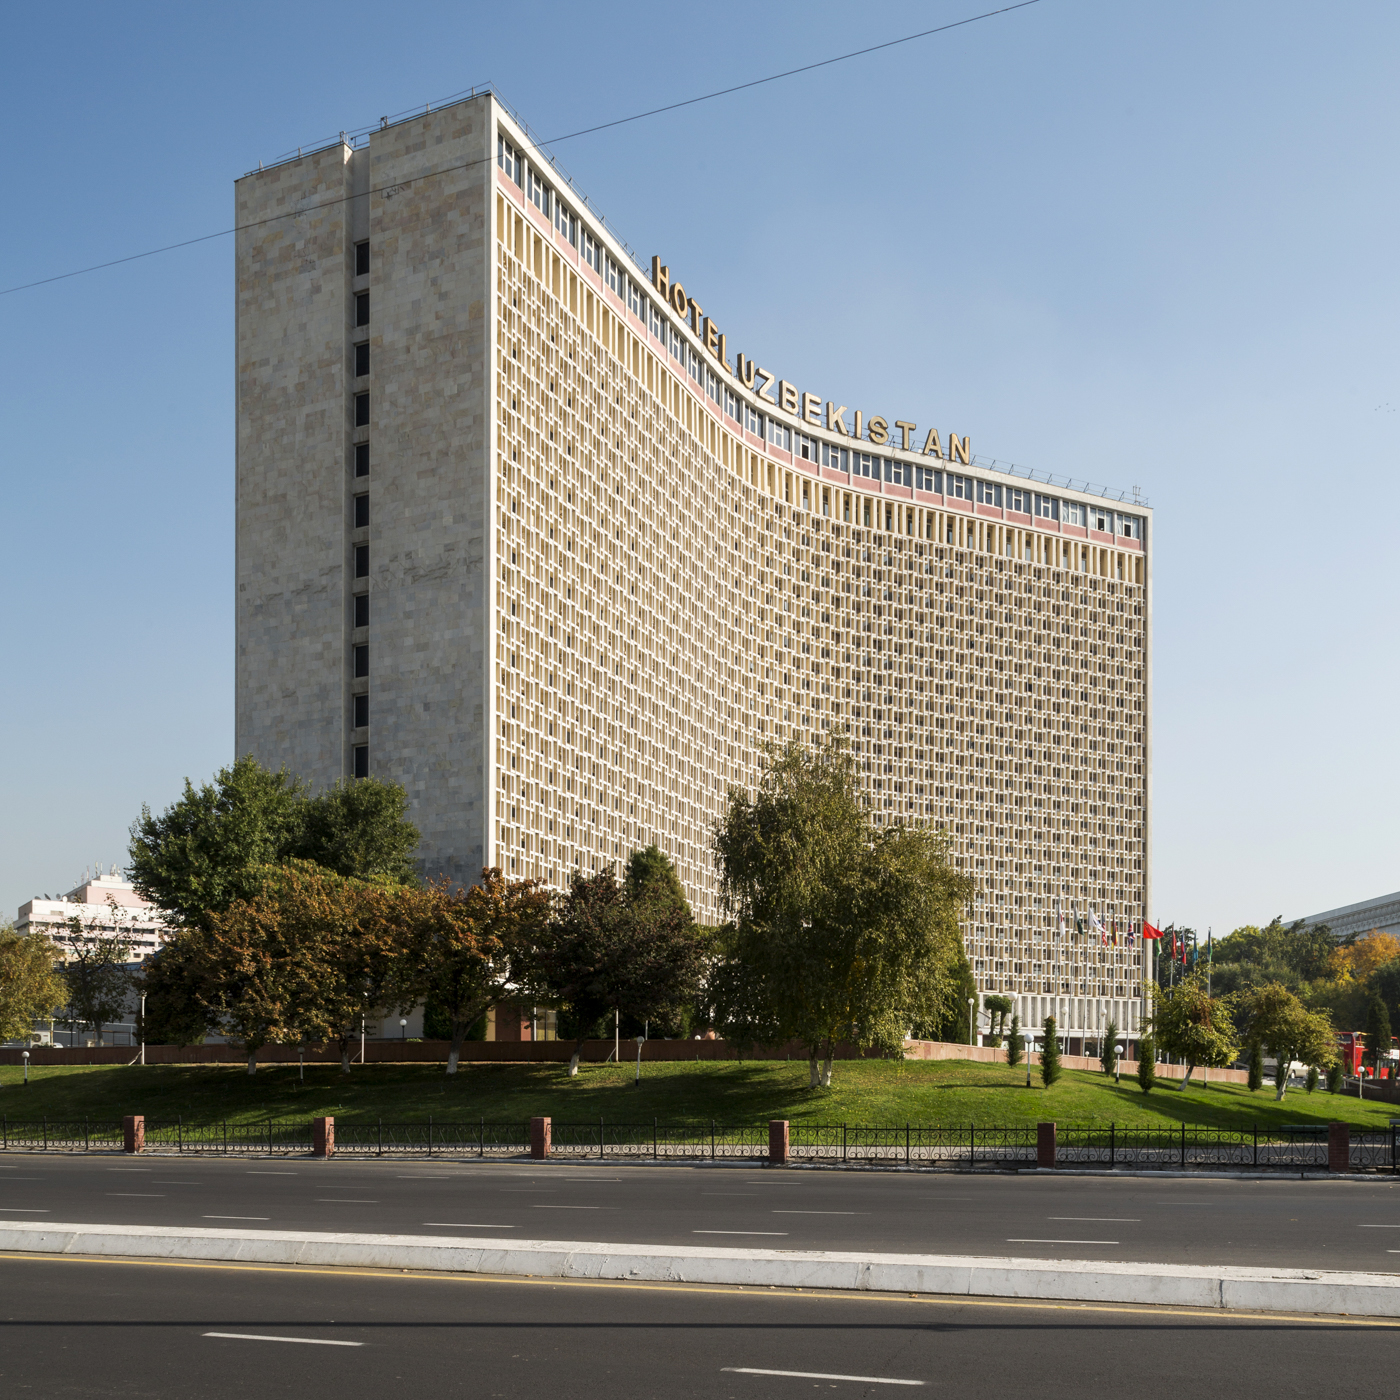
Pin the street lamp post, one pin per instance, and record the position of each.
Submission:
(972, 1020)
(403, 1027)
(143, 1028)
(640, 1038)
(26, 1068)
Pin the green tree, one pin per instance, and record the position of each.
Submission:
(999, 1007)
(1377, 1033)
(1194, 1026)
(1336, 1077)
(359, 827)
(651, 879)
(1256, 1067)
(100, 980)
(848, 931)
(175, 1015)
(601, 953)
(1147, 1062)
(1311, 1084)
(1015, 1043)
(32, 984)
(215, 844)
(472, 947)
(1050, 1055)
(1108, 1048)
(1275, 1018)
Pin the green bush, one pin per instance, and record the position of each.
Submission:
(1256, 1067)
(1312, 1078)
(1015, 1042)
(1050, 1056)
(1147, 1063)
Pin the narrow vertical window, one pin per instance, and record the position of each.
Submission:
(361, 715)
(361, 660)
(362, 308)
(362, 511)
(362, 760)
(361, 561)
(362, 410)
(362, 459)
(362, 358)
(362, 610)
(362, 258)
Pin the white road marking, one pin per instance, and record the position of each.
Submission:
(820, 1212)
(1014, 1240)
(1101, 1219)
(1359, 1227)
(466, 1225)
(177, 1183)
(570, 1207)
(23, 1210)
(343, 1201)
(236, 1217)
(269, 1173)
(131, 1169)
(145, 1195)
(738, 1232)
(818, 1376)
(306, 1341)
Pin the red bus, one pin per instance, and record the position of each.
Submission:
(1351, 1045)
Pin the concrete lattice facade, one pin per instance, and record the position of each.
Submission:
(569, 571)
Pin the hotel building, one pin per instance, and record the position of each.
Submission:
(520, 529)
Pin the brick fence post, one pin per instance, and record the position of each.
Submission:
(541, 1136)
(777, 1142)
(134, 1132)
(323, 1137)
(1045, 1144)
(1338, 1147)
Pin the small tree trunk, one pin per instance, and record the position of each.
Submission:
(813, 1071)
(574, 1059)
(454, 1055)
(252, 1062)
(826, 1070)
(1190, 1070)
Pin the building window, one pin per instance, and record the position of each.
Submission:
(614, 278)
(362, 459)
(362, 308)
(361, 561)
(362, 610)
(592, 252)
(362, 760)
(362, 410)
(753, 421)
(362, 358)
(538, 191)
(361, 715)
(362, 258)
(362, 511)
(1047, 507)
(508, 158)
(565, 223)
(361, 660)
(779, 436)
(837, 458)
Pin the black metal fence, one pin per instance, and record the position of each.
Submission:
(1301, 1147)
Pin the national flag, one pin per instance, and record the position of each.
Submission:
(1149, 932)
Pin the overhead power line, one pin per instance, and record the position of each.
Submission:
(570, 136)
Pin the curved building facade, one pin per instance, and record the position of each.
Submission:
(519, 529)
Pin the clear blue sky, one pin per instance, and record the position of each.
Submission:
(1145, 244)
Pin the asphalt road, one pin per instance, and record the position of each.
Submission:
(88, 1328)
(1290, 1223)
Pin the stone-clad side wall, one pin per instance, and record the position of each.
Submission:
(429, 443)
(421, 201)
(291, 498)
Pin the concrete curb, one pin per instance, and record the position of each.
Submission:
(1174, 1285)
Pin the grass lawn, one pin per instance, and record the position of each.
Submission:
(863, 1091)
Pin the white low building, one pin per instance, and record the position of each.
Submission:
(105, 905)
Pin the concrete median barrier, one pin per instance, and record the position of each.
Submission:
(1197, 1286)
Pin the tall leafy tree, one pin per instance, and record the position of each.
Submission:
(99, 978)
(603, 953)
(32, 984)
(845, 931)
(651, 879)
(175, 1015)
(1147, 1062)
(1108, 1048)
(214, 844)
(1275, 1018)
(1193, 1025)
(999, 1007)
(472, 947)
(1015, 1042)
